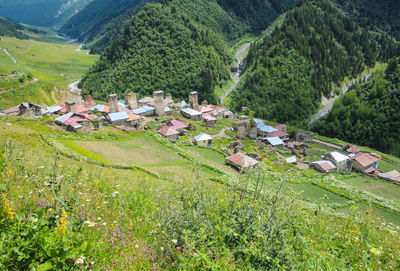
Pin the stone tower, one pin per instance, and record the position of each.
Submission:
(131, 100)
(159, 102)
(241, 131)
(89, 101)
(71, 107)
(113, 103)
(194, 99)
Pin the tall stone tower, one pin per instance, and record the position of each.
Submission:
(194, 99)
(71, 107)
(159, 102)
(113, 103)
(131, 100)
(89, 101)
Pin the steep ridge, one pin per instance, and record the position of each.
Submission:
(161, 48)
(369, 113)
(316, 46)
(50, 13)
(11, 29)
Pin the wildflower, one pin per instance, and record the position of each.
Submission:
(179, 248)
(99, 218)
(34, 227)
(104, 223)
(80, 260)
(46, 183)
(34, 220)
(195, 254)
(90, 224)
(375, 251)
(8, 210)
(62, 225)
(162, 248)
(174, 241)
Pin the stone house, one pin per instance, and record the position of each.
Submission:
(203, 140)
(169, 132)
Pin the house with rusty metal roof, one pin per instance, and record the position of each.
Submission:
(324, 166)
(281, 134)
(169, 132)
(365, 162)
(242, 161)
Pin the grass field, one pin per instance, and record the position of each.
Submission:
(58, 64)
(144, 151)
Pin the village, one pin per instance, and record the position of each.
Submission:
(174, 120)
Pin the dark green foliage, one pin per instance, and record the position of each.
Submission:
(11, 29)
(160, 49)
(332, 44)
(369, 113)
(280, 89)
(375, 15)
(101, 21)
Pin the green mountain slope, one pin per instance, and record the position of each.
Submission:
(160, 49)
(369, 113)
(11, 29)
(51, 13)
(334, 47)
(91, 23)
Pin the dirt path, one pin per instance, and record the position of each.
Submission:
(73, 87)
(7, 53)
(221, 134)
(240, 56)
(332, 100)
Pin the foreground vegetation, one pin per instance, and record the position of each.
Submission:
(61, 213)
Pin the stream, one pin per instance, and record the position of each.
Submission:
(236, 74)
(7, 53)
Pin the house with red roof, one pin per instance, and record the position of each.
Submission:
(281, 134)
(351, 149)
(179, 126)
(169, 132)
(241, 161)
(281, 127)
(365, 162)
(76, 122)
(13, 111)
(209, 120)
(324, 166)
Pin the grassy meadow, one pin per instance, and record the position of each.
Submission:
(70, 214)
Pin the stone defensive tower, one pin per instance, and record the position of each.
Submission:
(89, 101)
(71, 107)
(159, 102)
(194, 99)
(113, 103)
(131, 100)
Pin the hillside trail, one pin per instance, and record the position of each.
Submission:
(73, 87)
(240, 56)
(329, 103)
(7, 53)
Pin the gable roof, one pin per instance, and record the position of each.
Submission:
(79, 109)
(365, 159)
(11, 110)
(280, 127)
(118, 116)
(325, 165)
(204, 109)
(168, 131)
(143, 109)
(338, 157)
(202, 137)
(241, 160)
(208, 117)
(101, 108)
(190, 111)
(274, 141)
(278, 134)
(64, 117)
(133, 117)
(265, 128)
(217, 108)
(53, 109)
(176, 124)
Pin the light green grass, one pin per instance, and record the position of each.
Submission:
(58, 64)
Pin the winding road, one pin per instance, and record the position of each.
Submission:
(240, 56)
(73, 87)
(332, 100)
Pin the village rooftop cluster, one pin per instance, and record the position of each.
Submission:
(132, 114)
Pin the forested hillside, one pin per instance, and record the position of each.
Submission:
(325, 46)
(375, 15)
(102, 21)
(369, 113)
(160, 49)
(11, 29)
(51, 13)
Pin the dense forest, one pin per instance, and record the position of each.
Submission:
(369, 113)
(382, 15)
(333, 46)
(103, 21)
(11, 29)
(160, 49)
